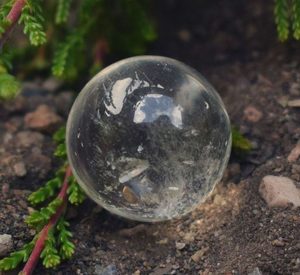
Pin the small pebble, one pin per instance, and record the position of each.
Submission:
(294, 154)
(108, 270)
(279, 191)
(294, 103)
(129, 232)
(180, 245)
(278, 243)
(6, 244)
(163, 241)
(184, 35)
(252, 114)
(20, 169)
(199, 254)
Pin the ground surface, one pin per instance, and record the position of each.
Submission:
(234, 232)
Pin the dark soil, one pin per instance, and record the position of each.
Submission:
(234, 44)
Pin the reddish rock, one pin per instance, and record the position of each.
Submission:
(252, 114)
(279, 191)
(294, 154)
(43, 119)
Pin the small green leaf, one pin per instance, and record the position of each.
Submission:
(49, 254)
(61, 151)
(59, 135)
(76, 194)
(67, 248)
(9, 86)
(239, 142)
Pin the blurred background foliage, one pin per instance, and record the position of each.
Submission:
(75, 37)
(70, 37)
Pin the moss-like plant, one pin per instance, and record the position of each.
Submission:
(52, 242)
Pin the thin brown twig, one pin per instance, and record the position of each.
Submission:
(12, 18)
(40, 243)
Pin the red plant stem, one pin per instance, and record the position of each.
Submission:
(40, 243)
(12, 17)
(15, 11)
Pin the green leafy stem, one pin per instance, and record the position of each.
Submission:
(53, 242)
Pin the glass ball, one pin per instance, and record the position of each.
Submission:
(148, 138)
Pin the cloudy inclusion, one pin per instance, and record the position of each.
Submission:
(148, 138)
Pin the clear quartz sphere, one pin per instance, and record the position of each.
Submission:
(148, 138)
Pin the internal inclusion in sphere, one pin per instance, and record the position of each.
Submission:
(148, 138)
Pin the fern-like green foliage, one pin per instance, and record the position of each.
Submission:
(4, 10)
(58, 245)
(59, 138)
(282, 19)
(296, 19)
(124, 24)
(66, 247)
(124, 27)
(76, 195)
(65, 52)
(45, 192)
(59, 135)
(51, 187)
(38, 219)
(287, 18)
(62, 12)
(17, 257)
(50, 254)
(32, 18)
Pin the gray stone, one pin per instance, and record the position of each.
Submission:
(108, 270)
(256, 271)
(6, 244)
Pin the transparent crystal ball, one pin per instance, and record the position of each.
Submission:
(148, 138)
